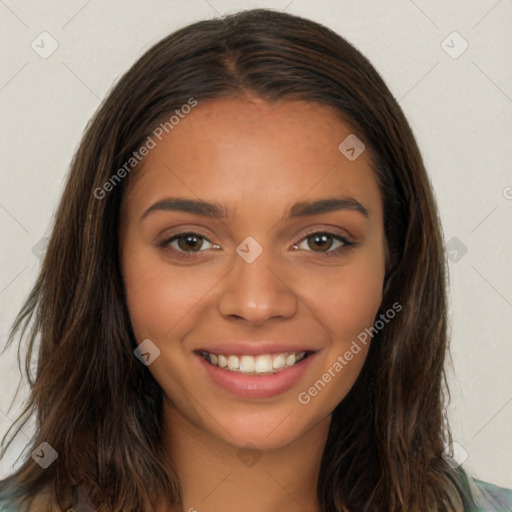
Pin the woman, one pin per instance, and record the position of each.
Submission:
(243, 299)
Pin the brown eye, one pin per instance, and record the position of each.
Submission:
(324, 243)
(321, 241)
(189, 241)
(186, 245)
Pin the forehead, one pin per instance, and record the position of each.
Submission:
(247, 153)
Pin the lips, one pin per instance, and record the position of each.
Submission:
(255, 370)
(255, 348)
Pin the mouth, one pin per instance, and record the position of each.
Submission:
(262, 364)
(256, 371)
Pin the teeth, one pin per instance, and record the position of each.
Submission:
(233, 362)
(247, 364)
(279, 362)
(265, 363)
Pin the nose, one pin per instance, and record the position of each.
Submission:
(258, 291)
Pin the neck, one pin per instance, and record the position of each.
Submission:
(217, 476)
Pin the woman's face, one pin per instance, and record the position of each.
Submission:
(266, 278)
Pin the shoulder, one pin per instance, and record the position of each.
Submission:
(41, 502)
(491, 498)
(44, 502)
(6, 506)
(38, 503)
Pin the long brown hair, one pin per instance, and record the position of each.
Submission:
(100, 409)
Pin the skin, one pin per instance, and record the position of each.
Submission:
(257, 159)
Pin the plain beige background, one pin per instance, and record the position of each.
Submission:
(457, 99)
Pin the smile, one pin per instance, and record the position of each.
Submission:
(255, 375)
(254, 365)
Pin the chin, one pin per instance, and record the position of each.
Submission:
(268, 429)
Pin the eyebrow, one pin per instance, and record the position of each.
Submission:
(220, 211)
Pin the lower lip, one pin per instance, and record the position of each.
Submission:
(257, 386)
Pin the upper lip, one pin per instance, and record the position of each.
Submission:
(254, 348)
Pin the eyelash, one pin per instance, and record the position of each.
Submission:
(347, 244)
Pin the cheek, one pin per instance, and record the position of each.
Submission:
(347, 304)
(357, 301)
(346, 298)
(158, 297)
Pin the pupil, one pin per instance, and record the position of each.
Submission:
(190, 241)
(319, 239)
